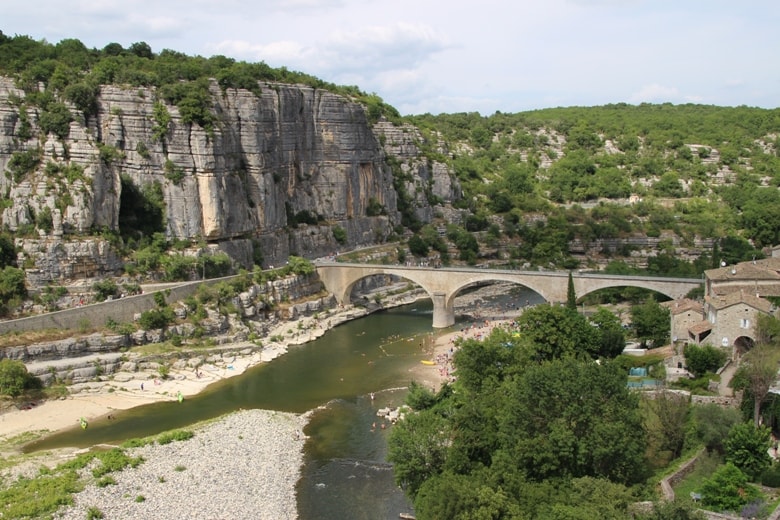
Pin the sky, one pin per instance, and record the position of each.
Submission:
(437, 56)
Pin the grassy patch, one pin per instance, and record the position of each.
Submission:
(40, 496)
(705, 466)
(175, 435)
(114, 460)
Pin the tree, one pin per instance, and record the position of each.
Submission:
(588, 498)
(417, 448)
(678, 509)
(746, 448)
(613, 338)
(727, 489)
(651, 322)
(483, 364)
(701, 360)
(767, 329)
(463, 496)
(12, 288)
(669, 421)
(554, 331)
(105, 289)
(7, 251)
(142, 50)
(417, 246)
(711, 425)
(419, 397)
(14, 378)
(757, 374)
(571, 296)
(570, 418)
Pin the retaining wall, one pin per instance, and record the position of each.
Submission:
(96, 314)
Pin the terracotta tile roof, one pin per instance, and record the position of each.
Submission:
(699, 327)
(684, 305)
(722, 301)
(767, 269)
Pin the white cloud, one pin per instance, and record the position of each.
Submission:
(654, 93)
(437, 56)
(362, 53)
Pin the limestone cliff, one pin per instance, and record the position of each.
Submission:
(271, 157)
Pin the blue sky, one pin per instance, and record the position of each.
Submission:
(455, 56)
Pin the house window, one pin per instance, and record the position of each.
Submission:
(744, 323)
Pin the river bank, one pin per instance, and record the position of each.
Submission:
(106, 397)
(245, 465)
(124, 390)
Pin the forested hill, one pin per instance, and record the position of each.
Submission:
(560, 187)
(691, 171)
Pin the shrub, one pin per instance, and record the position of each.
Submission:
(339, 234)
(114, 460)
(375, 208)
(105, 482)
(105, 289)
(173, 173)
(22, 163)
(142, 150)
(156, 318)
(93, 513)
(14, 378)
(701, 360)
(109, 154)
(55, 119)
(771, 476)
(727, 489)
(44, 220)
(176, 435)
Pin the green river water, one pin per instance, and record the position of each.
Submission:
(345, 473)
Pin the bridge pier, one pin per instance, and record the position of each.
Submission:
(443, 313)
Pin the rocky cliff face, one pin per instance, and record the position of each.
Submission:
(426, 183)
(291, 151)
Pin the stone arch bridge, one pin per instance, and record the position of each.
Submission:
(444, 284)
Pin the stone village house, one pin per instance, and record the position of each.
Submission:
(734, 297)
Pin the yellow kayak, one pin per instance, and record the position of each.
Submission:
(427, 362)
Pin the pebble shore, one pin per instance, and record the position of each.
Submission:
(245, 465)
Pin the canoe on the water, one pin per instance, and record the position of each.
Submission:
(427, 362)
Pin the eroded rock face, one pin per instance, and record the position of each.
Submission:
(427, 183)
(291, 154)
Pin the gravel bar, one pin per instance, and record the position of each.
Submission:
(246, 465)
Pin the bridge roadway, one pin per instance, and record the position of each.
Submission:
(444, 284)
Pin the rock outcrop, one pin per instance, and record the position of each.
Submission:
(279, 170)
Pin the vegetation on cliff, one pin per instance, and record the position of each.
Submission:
(617, 187)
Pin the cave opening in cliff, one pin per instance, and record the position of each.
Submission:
(141, 210)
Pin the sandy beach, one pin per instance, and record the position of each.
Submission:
(443, 347)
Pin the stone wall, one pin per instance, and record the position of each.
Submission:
(124, 309)
(96, 314)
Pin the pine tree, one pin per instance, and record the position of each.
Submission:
(571, 296)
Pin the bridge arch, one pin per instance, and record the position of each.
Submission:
(457, 290)
(597, 285)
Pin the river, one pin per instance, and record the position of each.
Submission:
(345, 473)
